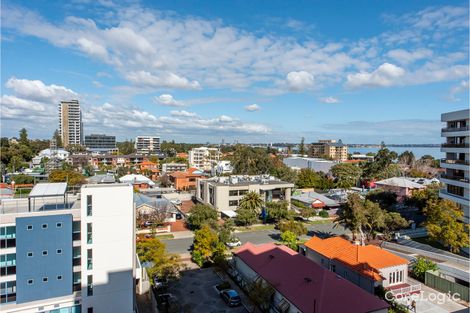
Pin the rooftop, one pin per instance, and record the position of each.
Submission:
(246, 180)
(401, 182)
(367, 260)
(307, 285)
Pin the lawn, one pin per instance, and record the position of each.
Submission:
(165, 236)
(255, 228)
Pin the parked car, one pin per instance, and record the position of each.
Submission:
(233, 243)
(148, 223)
(159, 282)
(231, 297)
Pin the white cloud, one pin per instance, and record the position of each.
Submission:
(299, 81)
(404, 57)
(385, 75)
(36, 90)
(168, 100)
(463, 86)
(329, 100)
(183, 113)
(252, 107)
(167, 79)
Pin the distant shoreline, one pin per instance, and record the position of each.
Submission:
(394, 145)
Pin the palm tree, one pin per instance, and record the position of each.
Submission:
(251, 201)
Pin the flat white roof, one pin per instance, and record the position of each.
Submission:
(229, 213)
(48, 190)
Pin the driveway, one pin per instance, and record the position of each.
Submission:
(195, 291)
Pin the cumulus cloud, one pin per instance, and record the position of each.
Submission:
(252, 107)
(463, 86)
(329, 100)
(385, 75)
(36, 90)
(166, 79)
(299, 81)
(168, 100)
(404, 57)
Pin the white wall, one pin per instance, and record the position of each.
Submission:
(113, 247)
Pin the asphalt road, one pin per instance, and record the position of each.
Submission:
(183, 245)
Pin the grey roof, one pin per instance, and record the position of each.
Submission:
(309, 197)
(102, 179)
(157, 203)
(48, 190)
(401, 182)
(316, 164)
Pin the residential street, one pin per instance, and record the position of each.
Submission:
(183, 245)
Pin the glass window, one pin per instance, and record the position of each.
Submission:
(44, 226)
(89, 259)
(30, 281)
(59, 277)
(30, 227)
(30, 254)
(233, 193)
(45, 279)
(89, 229)
(44, 252)
(89, 205)
(90, 285)
(58, 225)
(59, 251)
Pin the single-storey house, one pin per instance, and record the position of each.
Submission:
(138, 181)
(402, 186)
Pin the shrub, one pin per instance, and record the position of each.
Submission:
(324, 214)
(421, 266)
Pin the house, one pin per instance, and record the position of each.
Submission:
(138, 181)
(315, 164)
(317, 201)
(145, 205)
(366, 266)
(299, 284)
(402, 186)
(223, 167)
(148, 166)
(185, 180)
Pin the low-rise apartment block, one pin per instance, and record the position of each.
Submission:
(100, 142)
(168, 168)
(330, 149)
(224, 193)
(457, 161)
(147, 145)
(204, 158)
(63, 253)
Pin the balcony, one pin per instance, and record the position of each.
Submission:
(455, 145)
(461, 162)
(443, 193)
(455, 178)
(455, 129)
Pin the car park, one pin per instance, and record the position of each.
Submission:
(231, 297)
(233, 243)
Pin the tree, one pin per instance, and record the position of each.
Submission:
(421, 266)
(246, 217)
(307, 178)
(302, 146)
(352, 215)
(420, 197)
(23, 179)
(16, 163)
(284, 172)
(72, 178)
(207, 246)
(444, 224)
(407, 158)
(347, 175)
(252, 201)
(289, 239)
(24, 137)
(126, 147)
(386, 199)
(251, 161)
(202, 214)
(379, 167)
(164, 264)
(375, 219)
(277, 210)
(225, 230)
(261, 293)
(57, 139)
(75, 148)
(295, 227)
(393, 222)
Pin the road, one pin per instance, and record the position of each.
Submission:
(183, 245)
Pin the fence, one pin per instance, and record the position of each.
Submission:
(432, 280)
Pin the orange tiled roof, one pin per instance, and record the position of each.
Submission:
(188, 173)
(147, 163)
(367, 260)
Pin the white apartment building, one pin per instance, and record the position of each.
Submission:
(147, 144)
(169, 168)
(204, 158)
(70, 123)
(456, 162)
(225, 192)
(64, 253)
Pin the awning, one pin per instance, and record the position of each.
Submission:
(48, 190)
(229, 213)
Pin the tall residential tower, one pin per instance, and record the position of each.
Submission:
(70, 123)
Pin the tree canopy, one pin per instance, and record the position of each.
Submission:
(163, 264)
(346, 175)
(71, 177)
(202, 214)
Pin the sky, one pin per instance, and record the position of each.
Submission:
(246, 71)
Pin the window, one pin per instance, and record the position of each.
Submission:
(89, 259)
(233, 193)
(45, 279)
(8, 292)
(8, 264)
(58, 225)
(44, 253)
(89, 310)
(29, 227)
(7, 237)
(44, 226)
(89, 205)
(30, 281)
(89, 229)
(59, 277)
(59, 251)
(30, 254)
(333, 268)
(89, 285)
(233, 203)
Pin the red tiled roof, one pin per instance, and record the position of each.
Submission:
(367, 260)
(307, 285)
(186, 206)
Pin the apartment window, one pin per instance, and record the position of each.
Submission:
(89, 235)
(44, 253)
(30, 254)
(242, 192)
(45, 279)
(233, 203)
(58, 225)
(44, 226)
(89, 285)
(76, 235)
(7, 237)
(89, 259)
(8, 264)
(8, 292)
(89, 310)
(233, 193)
(29, 227)
(30, 281)
(59, 251)
(89, 205)
(333, 268)
(59, 277)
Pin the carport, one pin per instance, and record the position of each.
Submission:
(47, 190)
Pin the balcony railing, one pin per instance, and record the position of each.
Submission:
(445, 192)
(456, 178)
(455, 145)
(455, 129)
(463, 162)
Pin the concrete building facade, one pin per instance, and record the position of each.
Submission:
(100, 142)
(204, 158)
(70, 123)
(330, 149)
(456, 161)
(147, 144)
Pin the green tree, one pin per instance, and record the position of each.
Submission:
(23, 179)
(70, 177)
(407, 158)
(444, 224)
(421, 266)
(284, 173)
(352, 215)
(207, 246)
(16, 163)
(302, 146)
(202, 214)
(420, 197)
(298, 228)
(386, 199)
(251, 161)
(246, 217)
(261, 293)
(307, 178)
(290, 239)
(393, 222)
(277, 210)
(252, 201)
(126, 147)
(226, 230)
(24, 137)
(381, 166)
(164, 264)
(347, 175)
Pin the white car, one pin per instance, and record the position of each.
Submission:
(235, 242)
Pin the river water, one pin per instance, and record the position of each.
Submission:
(417, 151)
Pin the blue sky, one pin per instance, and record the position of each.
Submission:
(259, 71)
